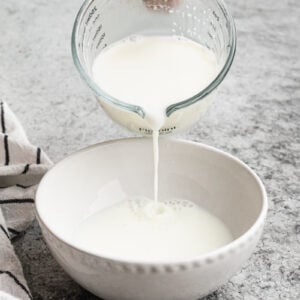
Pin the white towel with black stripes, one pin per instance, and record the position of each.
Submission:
(21, 167)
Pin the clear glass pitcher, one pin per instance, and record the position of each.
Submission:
(100, 23)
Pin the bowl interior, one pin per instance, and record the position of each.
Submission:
(101, 175)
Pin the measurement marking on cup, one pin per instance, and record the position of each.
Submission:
(96, 18)
(216, 16)
(213, 26)
(100, 40)
(92, 12)
(97, 31)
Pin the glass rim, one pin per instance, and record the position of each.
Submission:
(173, 107)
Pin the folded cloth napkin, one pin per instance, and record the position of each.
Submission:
(21, 167)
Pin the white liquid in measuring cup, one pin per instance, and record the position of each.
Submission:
(154, 72)
(140, 230)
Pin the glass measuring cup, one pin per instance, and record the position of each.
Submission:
(100, 23)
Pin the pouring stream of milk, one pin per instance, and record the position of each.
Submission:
(154, 72)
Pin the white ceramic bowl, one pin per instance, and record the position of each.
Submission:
(99, 175)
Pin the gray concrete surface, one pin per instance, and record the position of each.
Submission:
(256, 117)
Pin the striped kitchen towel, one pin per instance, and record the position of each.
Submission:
(21, 167)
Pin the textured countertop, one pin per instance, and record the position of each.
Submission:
(255, 117)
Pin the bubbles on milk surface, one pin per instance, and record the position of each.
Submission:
(144, 207)
(142, 229)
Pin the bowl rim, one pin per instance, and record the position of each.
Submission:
(230, 247)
